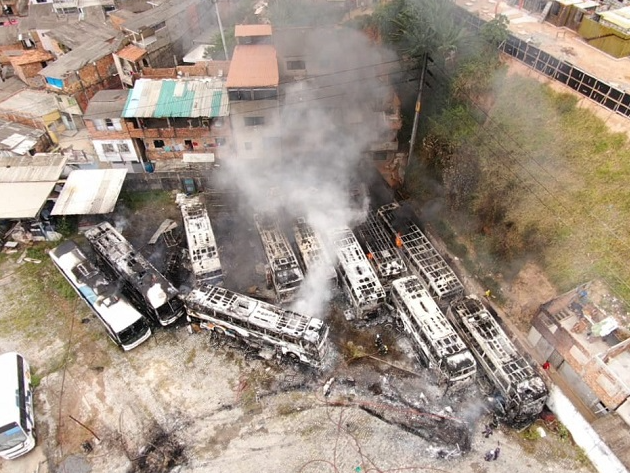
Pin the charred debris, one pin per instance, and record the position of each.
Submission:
(384, 271)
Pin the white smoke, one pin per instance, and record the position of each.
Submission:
(309, 163)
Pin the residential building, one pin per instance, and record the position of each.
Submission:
(29, 63)
(252, 83)
(83, 67)
(36, 109)
(166, 32)
(109, 132)
(183, 119)
(129, 62)
(584, 336)
(21, 140)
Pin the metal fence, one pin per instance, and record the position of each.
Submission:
(612, 98)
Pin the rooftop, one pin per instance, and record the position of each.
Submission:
(76, 35)
(252, 30)
(17, 138)
(90, 192)
(31, 56)
(253, 66)
(163, 12)
(30, 103)
(184, 98)
(78, 58)
(39, 168)
(132, 53)
(106, 104)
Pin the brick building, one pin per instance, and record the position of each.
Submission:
(84, 66)
(183, 119)
(109, 132)
(584, 336)
(166, 32)
(28, 65)
(36, 109)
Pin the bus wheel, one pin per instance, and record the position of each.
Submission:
(293, 357)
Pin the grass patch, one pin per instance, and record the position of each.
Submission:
(138, 200)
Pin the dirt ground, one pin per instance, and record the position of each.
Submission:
(190, 403)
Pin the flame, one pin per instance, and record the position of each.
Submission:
(398, 240)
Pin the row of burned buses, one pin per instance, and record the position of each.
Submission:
(128, 295)
(389, 259)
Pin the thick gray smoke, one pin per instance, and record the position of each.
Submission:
(307, 166)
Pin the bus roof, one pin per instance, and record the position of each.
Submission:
(120, 314)
(9, 411)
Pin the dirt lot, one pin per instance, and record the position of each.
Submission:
(186, 402)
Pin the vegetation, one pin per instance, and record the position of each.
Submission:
(138, 200)
(522, 172)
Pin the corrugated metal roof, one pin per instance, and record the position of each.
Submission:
(90, 192)
(31, 56)
(78, 34)
(18, 138)
(252, 30)
(253, 66)
(38, 168)
(23, 199)
(31, 103)
(132, 53)
(106, 104)
(76, 59)
(184, 98)
(153, 16)
(619, 17)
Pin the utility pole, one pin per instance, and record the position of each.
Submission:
(216, 6)
(414, 130)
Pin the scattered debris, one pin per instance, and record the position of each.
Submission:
(161, 453)
(328, 386)
(165, 226)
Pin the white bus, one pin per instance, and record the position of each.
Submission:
(124, 324)
(17, 419)
(263, 326)
(440, 346)
(202, 245)
(315, 258)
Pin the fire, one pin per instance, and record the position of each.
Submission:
(398, 240)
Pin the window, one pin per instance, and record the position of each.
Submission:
(296, 65)
(158, 143)
(99, 124)
(220, 141)
(109, 124)
(189, 145)
(108, 148)
(254, 121)
(123, 148)
(54, 82)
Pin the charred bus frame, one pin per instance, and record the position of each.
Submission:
(124, 324)
(314, 256)
(440, 345)
(381, 251)
(202, 246)
(286, 274)
(263, 326)
(421, 256)
(522, 392)
(147, 289)
(359, 281)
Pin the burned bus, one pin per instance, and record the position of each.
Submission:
(146, 288)
(314, 256)
(381, 250)
(271, 330)
(421, 256)
(356, 276)
(202, 246)
(521, 392)
(285, 272)
(126, 327)
(440, 347)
